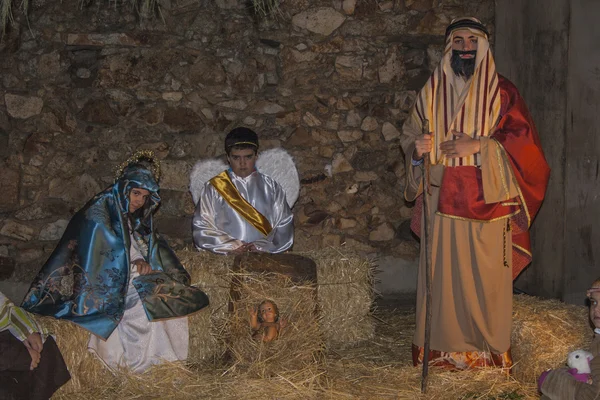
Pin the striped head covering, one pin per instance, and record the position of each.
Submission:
(450, 103)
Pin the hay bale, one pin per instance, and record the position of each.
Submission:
(344, 277)
(209, 272)
(299, 346)
(377, 368)
(544, 332)
(345, 290)
(86, 370)
(292, 367)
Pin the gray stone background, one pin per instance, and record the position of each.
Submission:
(86, 84)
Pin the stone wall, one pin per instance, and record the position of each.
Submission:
(86, 84)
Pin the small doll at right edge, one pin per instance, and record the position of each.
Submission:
(576, 383)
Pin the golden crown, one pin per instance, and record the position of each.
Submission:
(136, 158)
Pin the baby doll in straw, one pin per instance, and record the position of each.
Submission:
(559, 384)
(265, 322)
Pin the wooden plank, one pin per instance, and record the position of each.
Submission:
(297, 268)
(582, 235)
(531, 50)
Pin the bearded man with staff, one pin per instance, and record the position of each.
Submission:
(488, 177)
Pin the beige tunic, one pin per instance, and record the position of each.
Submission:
(471, 287)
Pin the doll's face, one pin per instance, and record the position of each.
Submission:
(595, 309)
(267, 312)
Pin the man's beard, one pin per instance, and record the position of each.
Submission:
(463, 67)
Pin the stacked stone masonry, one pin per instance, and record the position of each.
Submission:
(82, 87)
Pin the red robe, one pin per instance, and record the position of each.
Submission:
(467, 320)
(461, 192)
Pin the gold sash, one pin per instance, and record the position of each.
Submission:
(223, 184)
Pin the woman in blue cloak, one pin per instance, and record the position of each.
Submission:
(112, 274)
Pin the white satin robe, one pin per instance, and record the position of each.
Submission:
(217, 227)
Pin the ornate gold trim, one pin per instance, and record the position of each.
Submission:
(136, 157)
(239, 143)
(522, 249)
(478, 220)
(225, 187)
(499, 159)
(523, 203)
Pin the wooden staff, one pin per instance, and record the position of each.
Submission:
(425, 166)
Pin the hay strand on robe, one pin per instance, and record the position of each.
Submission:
(544, 332)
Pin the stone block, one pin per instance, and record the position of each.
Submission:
(346, 223)
(33, 212)
(182, 119)
(54, 230)
(369, 124)
(176, 203)
(322, 20)
(75, 192)
(175, 175)
(234, 104)
(301, 137)
(324, 137)
(311, 120)
(392, 70)
(365, 176)
(383, 232)
(15, 230)
(9, 182)
(349, 6)
(366, 160)
(172, 96)
(152, 117)
(98, 111)
(23, 107)
(207, 71)
(340, 164)
(419, 5)
(349, 67)
(100, 39)
(389, 131)
(49, 65)
(353, 118)
(267, 107)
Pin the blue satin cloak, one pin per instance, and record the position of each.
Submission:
(85, 279)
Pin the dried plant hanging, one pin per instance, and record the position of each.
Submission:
(6, 16)
(145, 9)
(266, 8)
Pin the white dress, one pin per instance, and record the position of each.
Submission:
(137, 343)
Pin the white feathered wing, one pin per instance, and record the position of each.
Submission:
(279, 165)
(276, 163)
(203, 171)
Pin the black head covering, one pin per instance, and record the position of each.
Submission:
(464, 23)
(241, 137)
